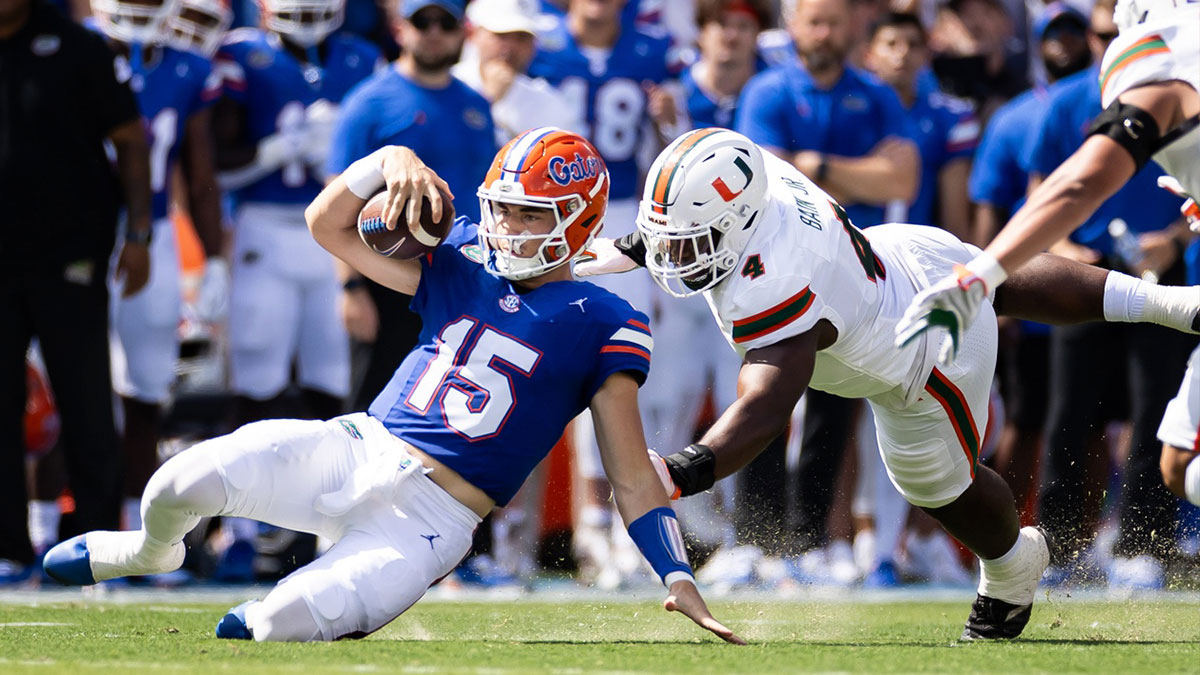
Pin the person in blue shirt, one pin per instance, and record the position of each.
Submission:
(727, 59)
(512, 349)
(1139, 360)
(946, 128)
(175, 90)
(839, 126)
(282, 86)
(417, 103)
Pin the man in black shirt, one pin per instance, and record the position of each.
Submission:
(62, 95)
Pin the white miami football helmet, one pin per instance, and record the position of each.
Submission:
(1130, 13)
(304, 22)
(702, 201)
(199, 25)
(130, 21)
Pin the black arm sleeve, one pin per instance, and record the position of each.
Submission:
(1132, 128)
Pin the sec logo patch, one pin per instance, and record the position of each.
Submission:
(511, 303)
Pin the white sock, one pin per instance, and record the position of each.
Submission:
(131, 513)
(1131, 300)
(131, 553)
(1014, 576)
(44, 516)
(1191, 481)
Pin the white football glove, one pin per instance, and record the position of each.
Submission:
(952, 303)
(664, 475)
(603, 257)
(212, 300)
(1189, 209)
(320, 118)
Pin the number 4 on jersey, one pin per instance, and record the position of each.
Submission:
(754, 267)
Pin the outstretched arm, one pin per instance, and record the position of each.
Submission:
(770, 383)
(641, 501)
(1073, 192)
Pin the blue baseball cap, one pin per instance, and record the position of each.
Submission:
(410, 7)
(1054, 13)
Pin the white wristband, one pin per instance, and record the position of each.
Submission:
(986, 267)
(678, 576)
(365, 176)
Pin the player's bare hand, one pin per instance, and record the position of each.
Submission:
(685, 598)
(664, 475)
(360, 315)
(408, 179)
(603, 257)
(497, 77)
(660, 105)
(133, 268)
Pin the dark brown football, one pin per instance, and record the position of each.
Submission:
(408, 240)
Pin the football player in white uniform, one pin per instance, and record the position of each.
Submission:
(1150, 87)
(807, 299)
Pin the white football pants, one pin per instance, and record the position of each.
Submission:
(395, 532)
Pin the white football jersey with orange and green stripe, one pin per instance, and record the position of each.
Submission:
(806, 262)
(1158, 51)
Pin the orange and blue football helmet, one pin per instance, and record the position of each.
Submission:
(545, 168)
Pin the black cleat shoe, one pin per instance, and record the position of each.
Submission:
(993, 619)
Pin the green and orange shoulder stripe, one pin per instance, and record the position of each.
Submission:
(1139, 50)
(774, 318)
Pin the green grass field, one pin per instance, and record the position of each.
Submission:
(584, 636)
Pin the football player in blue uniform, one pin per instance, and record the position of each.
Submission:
(282, 85)
(620, 78)
(512, 349)
(200, 25)
(175, 90)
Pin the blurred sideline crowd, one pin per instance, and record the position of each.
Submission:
(936, 112)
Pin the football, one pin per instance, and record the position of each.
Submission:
(408, 240)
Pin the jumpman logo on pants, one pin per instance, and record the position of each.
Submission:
(429, 538)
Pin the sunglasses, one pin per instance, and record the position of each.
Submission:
(423, 21)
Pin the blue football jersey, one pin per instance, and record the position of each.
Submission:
(609, 88)
(946, 129)
(275, 89)
(498, 374)
(169, 89)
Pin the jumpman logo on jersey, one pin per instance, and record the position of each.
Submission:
(579, 303)
(429, 538)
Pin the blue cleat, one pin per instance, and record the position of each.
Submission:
(232, 626)
(13, 573)
(69, 563)
(884, 575)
